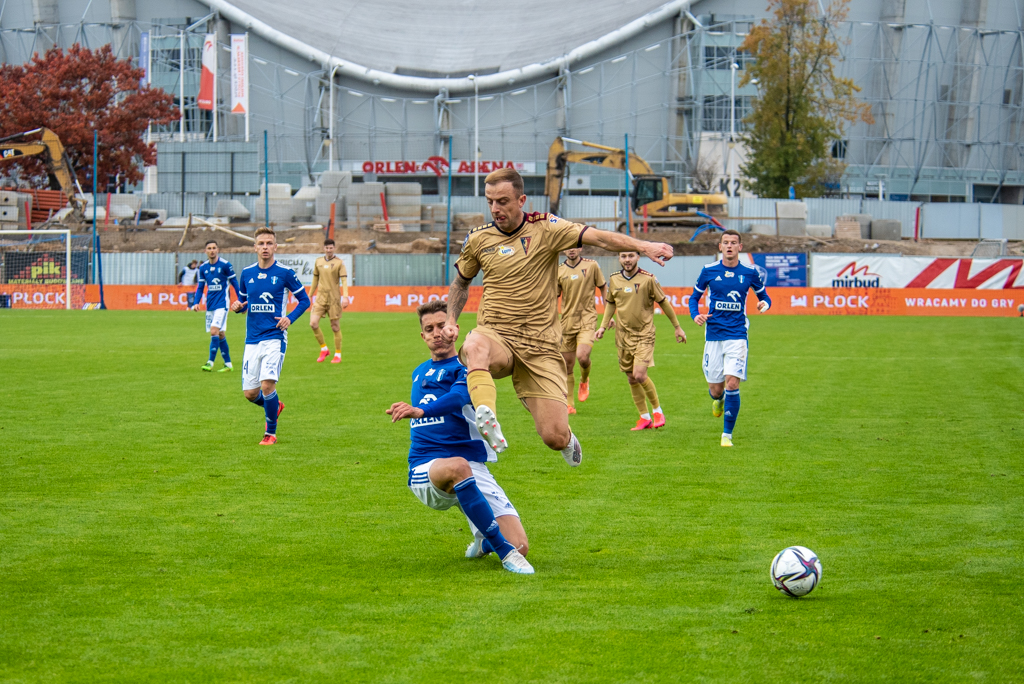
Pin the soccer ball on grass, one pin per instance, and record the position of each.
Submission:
(796, 570)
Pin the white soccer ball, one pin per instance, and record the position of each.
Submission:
(796, 571)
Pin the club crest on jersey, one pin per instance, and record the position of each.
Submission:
(273, 280)
(505, 250)
(741, 279)
(584, 271)
(526, 244)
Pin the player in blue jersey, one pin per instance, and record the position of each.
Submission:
(448, 457)
(215, 275)
(264, 292)
(725, 348)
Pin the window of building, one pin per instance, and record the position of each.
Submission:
(722, 57)
(839, 149)
(718, 112)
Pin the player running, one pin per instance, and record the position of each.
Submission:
(264, 289)
(725, 347)
(578, 278)
(517, 331)
(328, 271)
(448, 457)
(215, 275)
(632, 295)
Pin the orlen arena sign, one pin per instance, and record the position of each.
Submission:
(435, 165)
(916, 272)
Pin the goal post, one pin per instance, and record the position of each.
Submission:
(43, 269)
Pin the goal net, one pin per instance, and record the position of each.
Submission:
(43, 269)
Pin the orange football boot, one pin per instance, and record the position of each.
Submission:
(584, 392)
(642, 424)
(658, 420)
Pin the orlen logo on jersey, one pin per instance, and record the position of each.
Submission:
(266, 307)
(728, 306)
(848, 277)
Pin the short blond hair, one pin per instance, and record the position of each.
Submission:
(507, 175)
(265, 230)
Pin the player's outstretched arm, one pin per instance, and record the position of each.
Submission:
(458, 295)
(606, 322)
(198, 296)
(658, 252)
(401, 410)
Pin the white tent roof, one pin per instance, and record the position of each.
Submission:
(444, 38)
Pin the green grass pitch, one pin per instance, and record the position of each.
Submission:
(145, 537)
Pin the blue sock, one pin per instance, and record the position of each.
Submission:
(270, 404)
(225, 354)
(214, 346)
(476, 508)
(259, 399)
(732, 410)
(718, 398)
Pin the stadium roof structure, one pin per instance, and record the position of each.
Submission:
(412, 45)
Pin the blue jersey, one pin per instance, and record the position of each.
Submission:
(448, 425)
(727, 287)
(266, 291)
(216, 278)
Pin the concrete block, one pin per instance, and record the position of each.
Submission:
(231, 209)
(847, 228)
(278, 191)
(886, 229)
(791, 210)
(335, 179)
(403, 188)
(9, 213)
(762, 229)
(364, 193)
(819, 231)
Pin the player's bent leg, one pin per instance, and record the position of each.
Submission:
(716, 390)
(570, 379)
(552, 424)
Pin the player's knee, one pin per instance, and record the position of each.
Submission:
(555, 439)
(732, 383)
(584, 358)
(459, 470)
(251, 394)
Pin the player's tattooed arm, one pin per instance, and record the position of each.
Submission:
(458, 295)
(658, 252)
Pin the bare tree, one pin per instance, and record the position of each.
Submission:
(703, 173)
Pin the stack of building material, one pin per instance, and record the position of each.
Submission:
(280, 198)
(363, 207)
(404, 200)
(847, 228)
(304, 202)
(333, 189)
(863, 220)
(231, 209)
(12, 209)
(886, 229)
(467, 220)
(820, 231)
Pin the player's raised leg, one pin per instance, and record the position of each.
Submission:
(483, 357)
(552, 423)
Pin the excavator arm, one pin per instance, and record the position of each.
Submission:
(609, 157)
(50, 150)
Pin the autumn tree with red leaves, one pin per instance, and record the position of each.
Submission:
(73, 93)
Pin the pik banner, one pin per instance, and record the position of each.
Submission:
(916, 272)
(240, 73)
(207, 87)
(785, 301)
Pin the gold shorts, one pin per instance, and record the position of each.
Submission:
(536, 371)
(573, 339)
(631, 351)
(332, 310)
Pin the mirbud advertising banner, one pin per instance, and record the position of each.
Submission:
(866, 271)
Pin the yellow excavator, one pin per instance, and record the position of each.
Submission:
(649, 189)
(51, 151)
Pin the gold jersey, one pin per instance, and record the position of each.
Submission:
(327, 277)
(634, 300)
(520, 269)
(577, 284)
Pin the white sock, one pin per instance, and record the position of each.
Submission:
(227, 365)
(727, 434)
(645, 416)
(324, 348)
(658, 410)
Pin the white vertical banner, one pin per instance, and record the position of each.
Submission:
(240, 77)
(209, 72)
(144, 57)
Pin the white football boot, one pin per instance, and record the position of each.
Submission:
(476, 548)
(517, 563)
(488, 426)
(573, 454)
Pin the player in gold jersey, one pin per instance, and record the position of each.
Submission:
(578, 279)
(517, 331)
(631, 298)
(328, 275)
